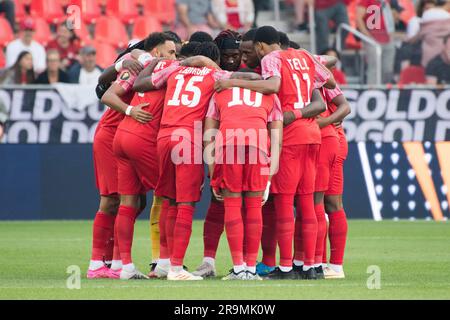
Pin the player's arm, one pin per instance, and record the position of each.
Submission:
(112, 98)
(246, 76)
(316, 107)
(199, 62)
(276, 141)
(143, 82)
(329, 61)
(269, 86)
(110, 74)
(211, 127)
(342, 111)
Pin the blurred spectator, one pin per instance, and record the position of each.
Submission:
(194, 15)
(381, 30)
(54, 73)
(8, 8)
(86, 71)
(438, 70)
(67, 44)
(261, 5)
(200, 36)
(300, 14)
(236, 15)
(21, 72)
(413, 27)
(337, 72)
(26, 43)
(326, 11)
(415, 72)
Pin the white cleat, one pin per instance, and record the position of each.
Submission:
(242, 275)
(253, 276)
(182, 275)
(331, 274)
(205, 270)
(134, 275)
(161, 272)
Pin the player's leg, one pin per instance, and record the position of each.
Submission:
(321, 232)
(155, 216)
(268, 239)
(212, 230)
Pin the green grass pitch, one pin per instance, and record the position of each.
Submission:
(414, 259)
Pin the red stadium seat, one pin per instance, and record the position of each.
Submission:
(111, 30)
(83, 34)
(413, 75)
(163, 10)
(2, 59)
(106, 54)
(51, 10)
(144, 26)
(20, 10)
(43, 34)
(126, 10)
(6, 34)
(409, 10)
(90, 9)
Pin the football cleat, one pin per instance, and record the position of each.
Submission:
(263, 269)
(319, 272)
(134, 275)
(160, 272)
(309, 274)
(114, 274)
(277, 274)
(182, 275)
(331, 274)
(253, 276)
(205, 270)
(241, 275)
(99, 273)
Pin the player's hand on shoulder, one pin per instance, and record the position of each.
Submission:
(134, 66)
(221, 85)
(140, 115)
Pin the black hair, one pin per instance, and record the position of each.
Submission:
(294, 45)
(268, 35)
(208, 49)
(173, 36)
(200, 36)
(249, 35)
(155, 39)
(228, 39)
(284, 40)
(188, 49)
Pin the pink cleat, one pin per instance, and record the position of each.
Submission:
(99, 273)
(113, 274)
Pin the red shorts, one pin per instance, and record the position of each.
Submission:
(327, 157)
(243, 173)
(105, 164)
(179, 179)
(336, 183)
(137, 163)
(297, 171)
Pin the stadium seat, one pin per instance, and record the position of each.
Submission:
(19, 10)
(43, 34)
(126, 10)
(412, 75)
(90, 9)
(51, 10)
(6, 34)
(408, 12)
(111, 30)
(143, 26)
(106, 54)
(2, 58)
(83, 34)
(163, 10)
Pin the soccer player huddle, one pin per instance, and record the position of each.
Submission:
(265, 117)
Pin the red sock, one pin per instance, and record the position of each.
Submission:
(325, 246)
(116, 251)
(109, 250)
(284, 206)
(182, 234)
(269, 236)
(299, 254)
(338, 236)
(125, 230)
(101, 233)
(234, 228)
(253, 229)
(163, 249)
(305, 208)
(244, 244)
(213, 228)
(171, 219)
(321, 232)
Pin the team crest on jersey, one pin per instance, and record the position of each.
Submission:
(125, 76)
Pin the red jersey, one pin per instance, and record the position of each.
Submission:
(155, 99)
(329, 95)
(246, 111)
(300, 74)
(188, 93)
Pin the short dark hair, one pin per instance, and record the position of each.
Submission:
(208, 49)
(294, 45)
(188, 49)
(228, 39)
(201, 36)
(173, 36)
(284, 39)
(155, 39)
(249, 35)
(268, 35)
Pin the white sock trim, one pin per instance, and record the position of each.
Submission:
(116, 264)
(336, 267)
(129, 267)
(95, 264)
(210, 260)
(239, 268)
(298, 263)
(285, 269)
